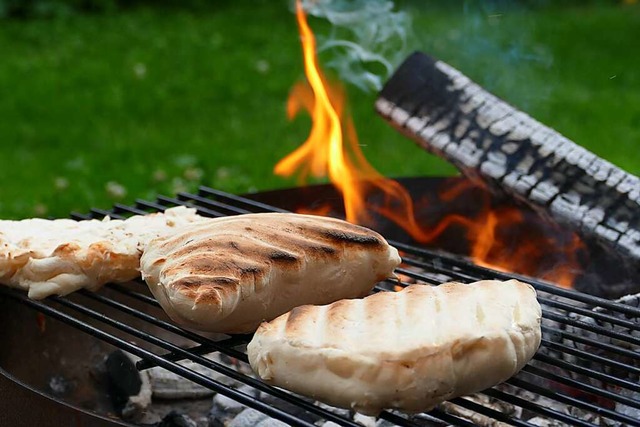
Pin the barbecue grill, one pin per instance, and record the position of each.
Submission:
(585, 373)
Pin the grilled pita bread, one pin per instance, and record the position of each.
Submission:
(229, 274)
(407, 350)
(46, 257)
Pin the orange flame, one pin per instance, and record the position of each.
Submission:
(332, 150)
(325, 151)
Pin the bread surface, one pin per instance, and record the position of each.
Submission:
(46, 257)
(407, 350)
(230, 274)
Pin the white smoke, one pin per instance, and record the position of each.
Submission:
(368, 39)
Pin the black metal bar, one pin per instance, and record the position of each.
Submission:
(129, 209)
(239, 199)
(172, 202)
(167, 326)
(417, 275)
(593, 328)
(633, 326)
(549, 302)
(200, 349)
(619, 351)
(100, 213)
(539, 409)
(150, 205)
(488, 412)
(136, 295)
(582, 386)
(584, 355)
(79, 217)
(606, 378)
(213, 203)
(538, 284)
(173, 367)
(451, 419)
(396, 420)
(202, 361)
(568, 400)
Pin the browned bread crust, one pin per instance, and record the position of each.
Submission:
(407, 350)
(229, 274)
(60, 256)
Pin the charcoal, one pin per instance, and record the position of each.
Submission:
(271, 422)
(291, 408)
(60, 386)
(176, 419)
(230, 405)
(364, 420)
(123, 378)
(247, 418)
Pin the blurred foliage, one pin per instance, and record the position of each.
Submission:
(114, 102)
(53, 8)
(26, 9)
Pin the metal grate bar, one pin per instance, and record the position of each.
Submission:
(459, 262)
(453, 420)
(593, 328)
(634, 326)
(568, 400)
(150, 205)
(119, 208)
(212, 203)
(204, 361)
(136, 295)
(168, 326)
(434, 266)
(608, 379)
(614, 350)
(491, 413)
(538, 409)
(207, 191)
(582, 386)
(173, 367)
(201, 349)
(584, 355)
(178, 353)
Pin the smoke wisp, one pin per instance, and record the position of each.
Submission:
(368, 39)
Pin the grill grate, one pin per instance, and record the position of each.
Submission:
(581, 350)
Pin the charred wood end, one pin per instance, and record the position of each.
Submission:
(451, 116)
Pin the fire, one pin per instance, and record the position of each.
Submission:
(332, 150)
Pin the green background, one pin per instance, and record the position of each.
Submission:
(109, 104)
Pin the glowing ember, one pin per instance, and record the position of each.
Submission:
(332, 150)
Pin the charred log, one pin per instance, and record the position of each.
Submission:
(492, 142)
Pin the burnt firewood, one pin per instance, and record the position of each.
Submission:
(492, 142)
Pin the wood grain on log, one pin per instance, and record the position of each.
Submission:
(488, 139)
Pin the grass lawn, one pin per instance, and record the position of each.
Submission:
(97, 109)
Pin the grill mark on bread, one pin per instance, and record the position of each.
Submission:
(351, 237)
(283, 257)
(253, 252)
(435, 361)
(295, 319)
(207, 289)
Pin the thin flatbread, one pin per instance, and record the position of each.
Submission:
(46, 257)
(229, 274)
(407, 350)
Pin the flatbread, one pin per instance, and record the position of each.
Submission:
(46, 257)
(407, 350)
(229, 274)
